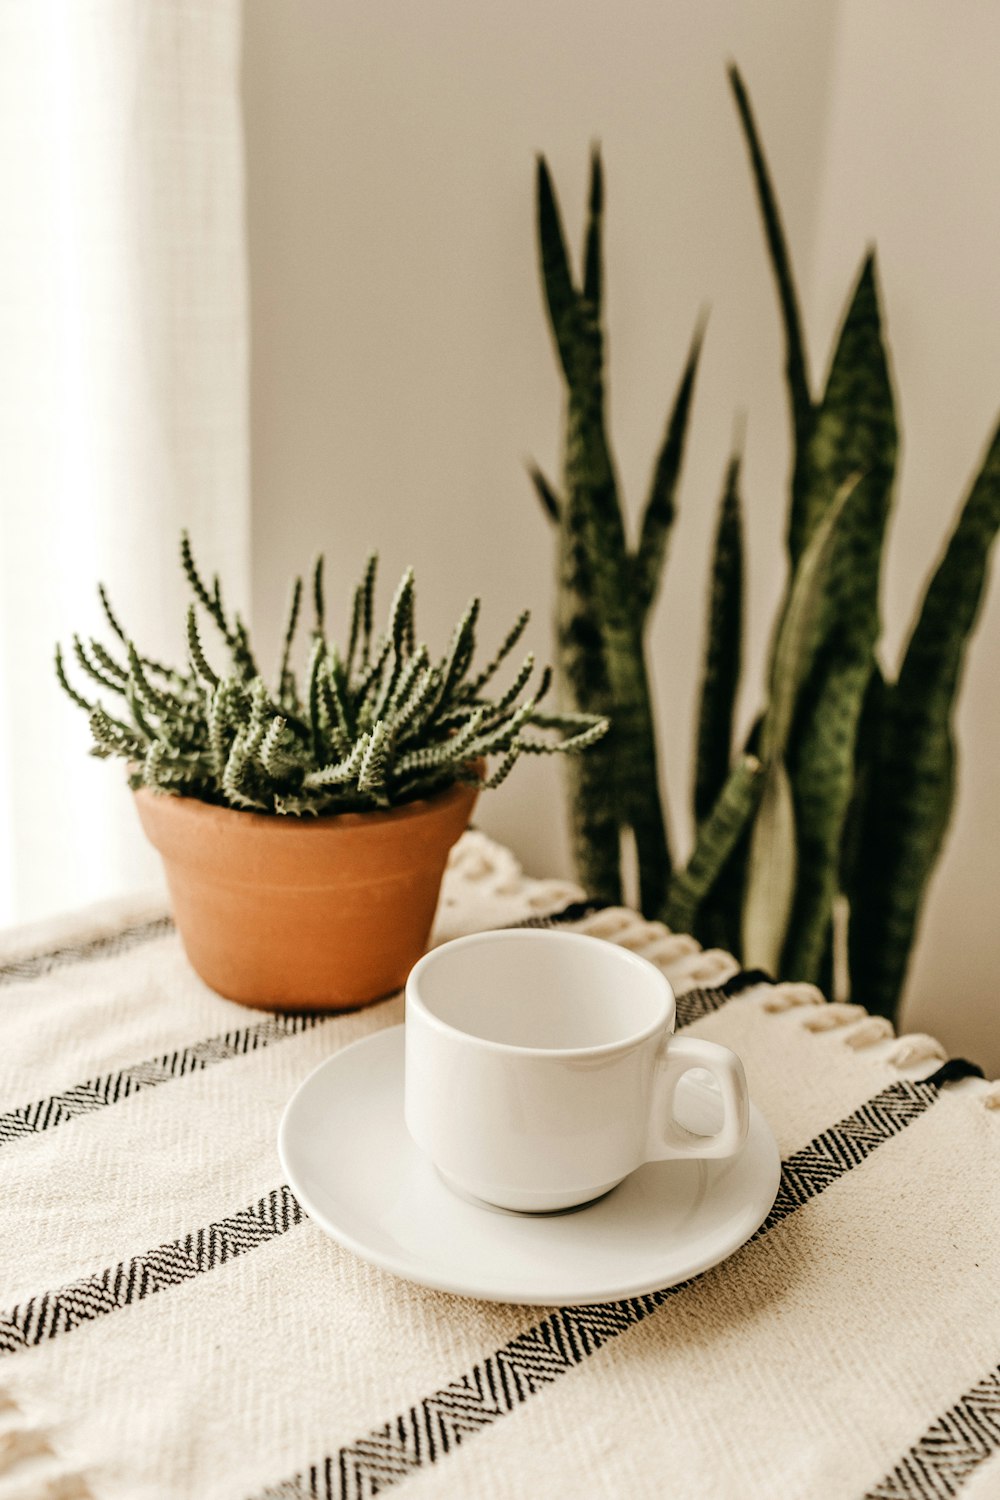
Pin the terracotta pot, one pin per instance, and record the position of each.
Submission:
(297, 914)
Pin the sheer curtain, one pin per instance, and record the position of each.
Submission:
(123, 388)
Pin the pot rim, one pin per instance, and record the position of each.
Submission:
(194, 807)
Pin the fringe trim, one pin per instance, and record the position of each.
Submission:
(25, 1455)
(480, 862)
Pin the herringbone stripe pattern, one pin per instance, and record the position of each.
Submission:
(36, 965)
(112, 1088)
(39, 964)
(527, 1364)
(574, 912)
(45, 1316)
(811, 1170)
(693, 1004)
(53, 1313)
(951, 1449)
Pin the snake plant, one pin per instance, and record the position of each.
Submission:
(820, 831)
(375, 724)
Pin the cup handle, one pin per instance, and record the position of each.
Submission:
(667, 1136)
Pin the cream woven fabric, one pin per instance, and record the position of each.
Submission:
(172, 1326)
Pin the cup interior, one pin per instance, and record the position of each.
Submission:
(542, 990)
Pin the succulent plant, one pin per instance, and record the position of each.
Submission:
(376, 724)
(817, 836)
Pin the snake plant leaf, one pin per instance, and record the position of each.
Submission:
(584, 687)
(593, 546)
(661, 508)
(593, 270)
(771, 872)
(908, 819)
(796, 641)
(723, 650)
(545, 492)
(590, 485)
(638, 770)
(821, 765)
(593, 534)
(557, 281)
(773, 868)
(717, 837)
(600, 631)
(719, 920)
(796, 364)
(854, 430)
(603, 662)
(584, 684)
(866, 790)
(590, 482)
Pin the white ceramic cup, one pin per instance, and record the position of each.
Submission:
(541, 1068)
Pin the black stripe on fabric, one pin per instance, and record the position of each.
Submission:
(516, 1371)
(745, 979)
(954, 1069)
(43, 1317)
(535, 1359)
(693, 1004)
(950, 1451)
(35, 965)
(53, 1313)
(574, 912)
(111, 1088)
(114, 1087)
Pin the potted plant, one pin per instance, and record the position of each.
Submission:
(816, 833)
(304, 830)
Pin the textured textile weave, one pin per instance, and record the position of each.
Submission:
(172, 1325)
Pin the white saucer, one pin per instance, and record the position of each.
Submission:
(355, 1170)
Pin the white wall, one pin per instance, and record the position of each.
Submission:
(401, 362)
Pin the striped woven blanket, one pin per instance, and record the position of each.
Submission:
(172, 1325)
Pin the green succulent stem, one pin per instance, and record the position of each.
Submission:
(390, 728)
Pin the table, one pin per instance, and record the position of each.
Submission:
(173, 1326)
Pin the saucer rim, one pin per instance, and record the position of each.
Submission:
(547, 1298)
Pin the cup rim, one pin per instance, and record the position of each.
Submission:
(664, 1022)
